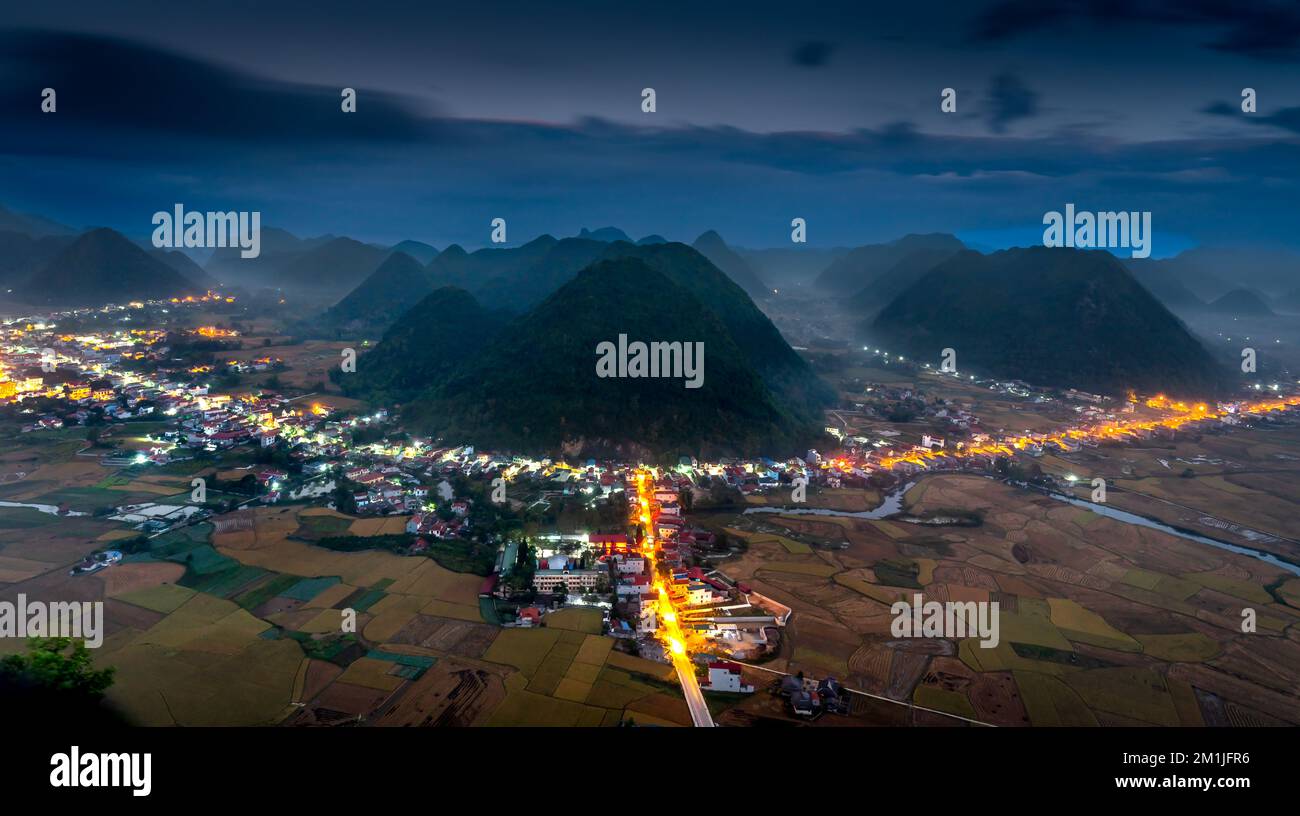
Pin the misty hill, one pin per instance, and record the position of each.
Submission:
(510, 278)
(428, 342)
(606, 234)
(278, 248)
(1271, 269)
(397, 284)
(1242, 302)
(863, 266)
(450, 267)
(188, 269)
(711, 246)
(471, 271)
(1197, 271)
(337, 265)
(1055, 317)
(783, 266)
(519, 282)
(21, 254)
(535, 388)
(102, 266)
(419, 250)
(1288, 303)
(889, 284)
(653, 239)
(33, 226)
(1162, 280)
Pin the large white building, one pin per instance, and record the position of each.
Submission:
(631, 564)
(725, 676)
(576, 580)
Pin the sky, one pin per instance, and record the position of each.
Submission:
(470, 111)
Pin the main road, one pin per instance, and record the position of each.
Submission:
(700, 714)
(668, 628)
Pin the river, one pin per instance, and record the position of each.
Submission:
(44, 508)
(893, 503)
(1143, 521)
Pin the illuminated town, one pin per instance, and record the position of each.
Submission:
(659, 598)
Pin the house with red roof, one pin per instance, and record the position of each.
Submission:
(724, 675)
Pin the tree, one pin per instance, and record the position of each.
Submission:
(344, 501)
(49, 666)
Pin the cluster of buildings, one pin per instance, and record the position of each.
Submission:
(429, 524)
(812, 698)
(713, 614)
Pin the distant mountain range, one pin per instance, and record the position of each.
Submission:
(1242, 302)
(786, 266)
(868, 266)
(1288, 303)
(515, 279)
(1056, 317)
(34, 226)
(606, 234)
(419, 250)
(327, 269)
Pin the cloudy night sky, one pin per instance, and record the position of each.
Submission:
(470, 111)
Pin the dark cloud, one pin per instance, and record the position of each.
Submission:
(1009, 100)
(140, 128)
(812, 54)
(1266, 29)
(1285, 118)
(1012, 17)
(116, 85)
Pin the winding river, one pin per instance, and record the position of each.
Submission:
(893, 503)
(44, 508)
